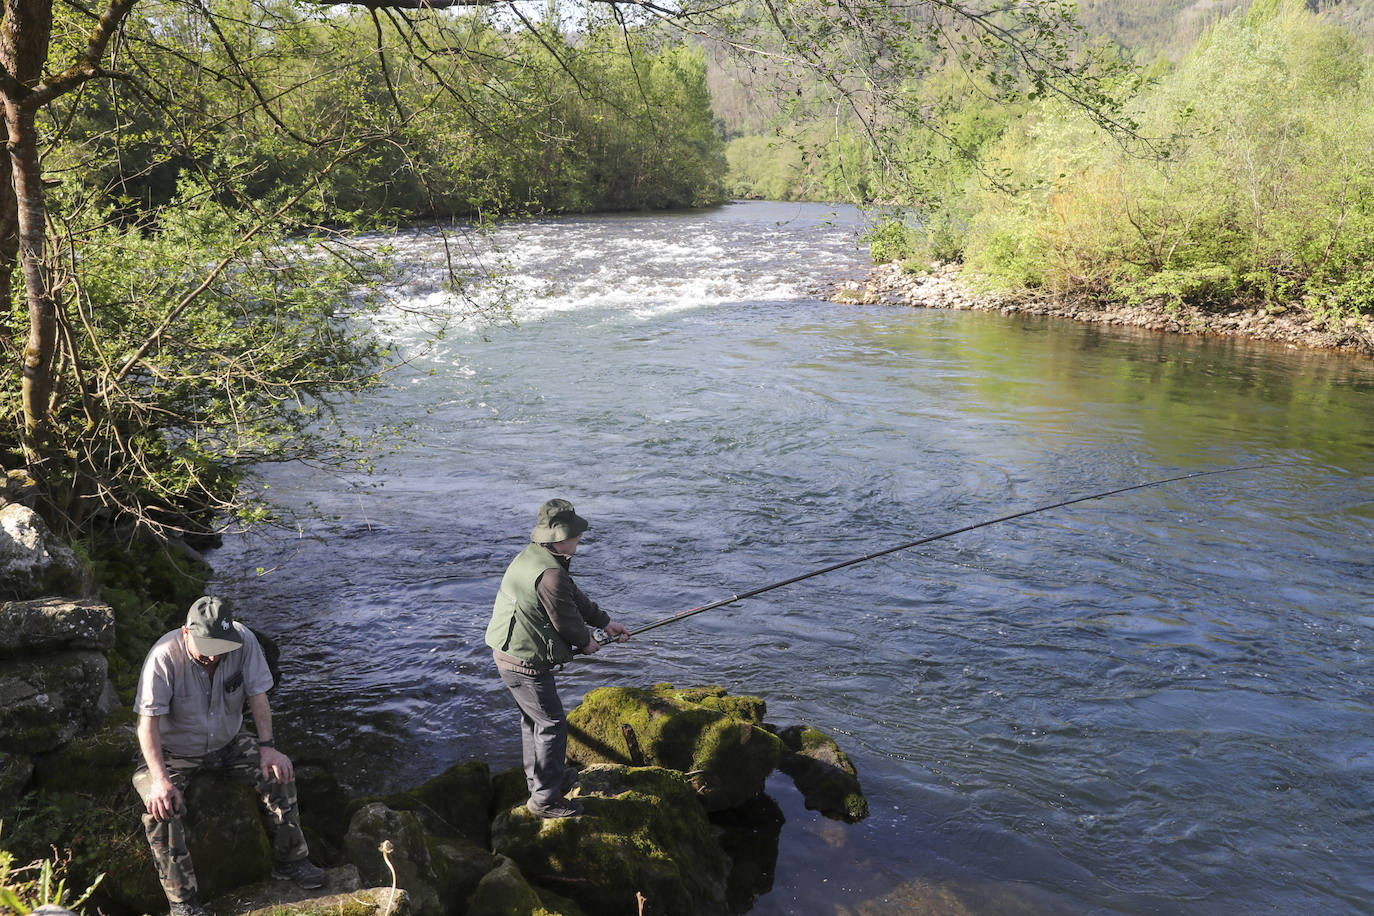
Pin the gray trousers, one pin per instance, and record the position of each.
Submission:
(543, 732)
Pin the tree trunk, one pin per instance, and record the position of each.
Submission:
(24, 37)
(27, 179)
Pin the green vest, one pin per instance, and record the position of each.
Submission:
(520, 627)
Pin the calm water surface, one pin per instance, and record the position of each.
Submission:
(1160, 702)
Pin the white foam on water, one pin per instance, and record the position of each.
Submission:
(531, 270)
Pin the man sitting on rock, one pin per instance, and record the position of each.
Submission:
(190, 702)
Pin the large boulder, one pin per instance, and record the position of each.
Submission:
(459, 866)
(53, 624)
(98, 765)
(717, 740)
(823, 773)
(48, 700)
(33, 562)
(53, 671)
(225, 832)
(455, 803)
(380, 840)
(643, 832)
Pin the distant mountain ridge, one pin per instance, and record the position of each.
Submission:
(1171, 27)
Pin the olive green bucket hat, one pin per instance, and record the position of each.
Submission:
(557, 522)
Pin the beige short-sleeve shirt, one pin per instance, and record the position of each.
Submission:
(199, 714)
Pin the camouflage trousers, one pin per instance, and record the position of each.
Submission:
(239, 760)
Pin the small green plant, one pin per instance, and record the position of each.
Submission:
(25, 888)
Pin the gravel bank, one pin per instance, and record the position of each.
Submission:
(941, 287)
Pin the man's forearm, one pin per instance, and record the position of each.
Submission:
(150, 743)
(262, 717)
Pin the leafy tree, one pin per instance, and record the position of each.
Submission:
(1263, 197)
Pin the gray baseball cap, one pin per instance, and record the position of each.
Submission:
(211, 625)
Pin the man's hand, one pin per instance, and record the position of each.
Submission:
(276, 766)
(618, 631)
(164, 800)
(591, 648)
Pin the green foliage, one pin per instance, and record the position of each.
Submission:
(197, 351)
(443, 115)
(891, 239)
(1256, 189)
(42, 882)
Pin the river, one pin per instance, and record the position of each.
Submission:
(1158, 702)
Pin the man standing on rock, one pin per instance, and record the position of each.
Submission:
(540, 620)
(191, 694)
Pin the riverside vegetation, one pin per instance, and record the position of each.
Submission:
(1237, 183)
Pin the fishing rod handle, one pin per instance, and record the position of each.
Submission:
(602, 637)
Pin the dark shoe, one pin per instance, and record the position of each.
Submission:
(569, 779)
(305, 873)
(559, 807)
(189, 908)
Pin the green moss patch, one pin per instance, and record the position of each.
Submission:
(717, 740)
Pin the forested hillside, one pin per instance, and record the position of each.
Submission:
(1237, 175)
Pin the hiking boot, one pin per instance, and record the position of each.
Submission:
(189, 908)
(559, 807)
(305, 873)
(569, 779)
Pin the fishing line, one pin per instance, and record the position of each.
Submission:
(604, 639)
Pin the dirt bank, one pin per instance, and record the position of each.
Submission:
(941, 287)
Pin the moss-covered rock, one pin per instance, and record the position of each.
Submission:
(99, 764)
(372, 901)
(225, 833)
(459, 865)
(341, 885)
(505, 892)
(717, 740)
(456, 803)
(409, 854)
(823, 773)
(46, 701)
(33, 561)
(642, 831)
(508, 789)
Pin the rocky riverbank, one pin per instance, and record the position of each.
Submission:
(943, 287)
(676, 823)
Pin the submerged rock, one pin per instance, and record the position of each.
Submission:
(823, 773)
(717, 740)
(749, 836)
(643, 832)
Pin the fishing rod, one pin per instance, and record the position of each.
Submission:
(603, 639)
